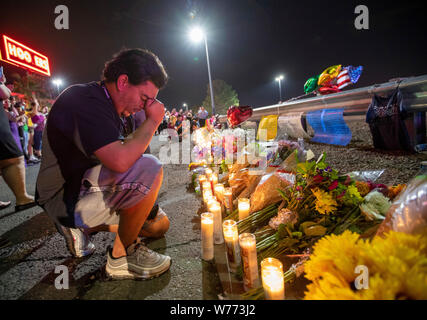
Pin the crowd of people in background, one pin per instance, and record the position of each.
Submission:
(174, 122)
(27, 124)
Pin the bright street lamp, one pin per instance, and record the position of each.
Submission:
(58, 83)
(279, 79)
(196, 35)
(185, 106)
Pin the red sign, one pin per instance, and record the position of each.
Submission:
(18, 54)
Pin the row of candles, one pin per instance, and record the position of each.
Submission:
(240, 248)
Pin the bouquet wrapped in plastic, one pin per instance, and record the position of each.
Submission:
(408, 212)
(267, 191)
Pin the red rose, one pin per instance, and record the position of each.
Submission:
(333, 185)
(318, 178)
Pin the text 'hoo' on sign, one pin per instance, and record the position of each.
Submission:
(21, 55)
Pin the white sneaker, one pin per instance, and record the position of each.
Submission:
(78, 242)
(34, 159)
(140, 263)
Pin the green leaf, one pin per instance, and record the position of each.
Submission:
(297, 234)
(334, 175)
(321, 165)
(281, 231)
(283, 195)
(355, 229)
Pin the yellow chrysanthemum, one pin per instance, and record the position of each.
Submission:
(379, 289)
(416, 284)
(330, 288)
(397, 267)
(325, 203)
(334, 254)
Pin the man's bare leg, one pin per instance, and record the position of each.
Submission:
(132, 219)
(155, 228)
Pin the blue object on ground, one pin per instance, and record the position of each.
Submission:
(329, 126)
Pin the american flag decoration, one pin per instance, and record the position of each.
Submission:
(348, 75)
(354, 73)
(343, 79)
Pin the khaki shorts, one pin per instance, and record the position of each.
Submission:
(104, 192)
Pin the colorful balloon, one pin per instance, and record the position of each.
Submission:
(311, 84)
(329, 89)
(328, 75)
(238, 114)
(354, 73)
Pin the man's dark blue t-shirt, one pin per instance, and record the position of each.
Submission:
(81, 121)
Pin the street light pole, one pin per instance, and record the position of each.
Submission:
(210, 79)
(279, 79)
(197, 34)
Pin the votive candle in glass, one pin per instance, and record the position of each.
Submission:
(208, 173)
(219, 191)
(207, 236)
(231, 238)
(244, 207)
(202, 178)
(211, 201)
(215, 209)
(206, 185)
(207, 195)
(214, 181)
(228, 199)
(248, 253)
(272, 279)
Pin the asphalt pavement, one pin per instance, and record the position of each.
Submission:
(31, 265)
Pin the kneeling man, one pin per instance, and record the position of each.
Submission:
(92, 179)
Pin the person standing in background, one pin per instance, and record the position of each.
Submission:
(38, 120)
(30, 125)
(12, 116)
(22, 128)
(202, 115)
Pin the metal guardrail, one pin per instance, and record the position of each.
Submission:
(355, 102)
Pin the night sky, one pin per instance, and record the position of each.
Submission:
(250, 41)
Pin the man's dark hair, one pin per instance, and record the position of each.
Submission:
(139, 65)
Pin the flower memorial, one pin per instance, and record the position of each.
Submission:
(303, 208)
